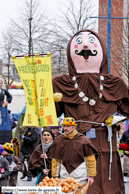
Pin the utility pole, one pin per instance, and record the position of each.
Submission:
(128, 53)
(8, 65)
(30, 35)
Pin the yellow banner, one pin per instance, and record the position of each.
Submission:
(35, 74)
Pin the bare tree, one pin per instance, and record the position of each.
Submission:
(119, 43)
(8, 48)
(31, 27)
(120, 53)
(24, 35)
(74, 15)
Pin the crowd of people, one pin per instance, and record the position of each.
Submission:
(61, 152)
(56, 154)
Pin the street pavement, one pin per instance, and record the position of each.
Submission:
(24, 181)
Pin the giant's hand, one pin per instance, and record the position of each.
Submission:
(113, 119)
(109, 121)
(57, 97)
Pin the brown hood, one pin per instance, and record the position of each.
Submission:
(104, 65)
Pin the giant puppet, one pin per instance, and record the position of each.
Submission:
(90, 95)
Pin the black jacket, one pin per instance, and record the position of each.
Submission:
(124, 138)
(29, 141)
(2, 95)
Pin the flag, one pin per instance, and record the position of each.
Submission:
(36, 76)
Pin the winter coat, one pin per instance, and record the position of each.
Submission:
(29, 141)
(5, 126)
(4, 170)
(14, 174)
(4, 93)
(124, 138)
(36, 163)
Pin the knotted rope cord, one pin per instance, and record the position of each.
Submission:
(109, 139)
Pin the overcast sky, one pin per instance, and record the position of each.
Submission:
(8, 9)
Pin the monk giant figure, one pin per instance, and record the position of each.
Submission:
(90, 95)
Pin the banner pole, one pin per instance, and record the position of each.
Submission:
(42, 146)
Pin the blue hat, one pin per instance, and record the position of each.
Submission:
(1, 149)
(54, 127)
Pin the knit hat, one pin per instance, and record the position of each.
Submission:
(69, 121)
(54, 127)
(9, 147)
(1, 149)
(49, 131)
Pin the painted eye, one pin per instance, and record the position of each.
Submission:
(79, 40)
(91, 39)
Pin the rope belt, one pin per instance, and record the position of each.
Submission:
(103, 124)
(109, 139)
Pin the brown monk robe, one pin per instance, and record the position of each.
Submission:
(71, 151)
(14, 175)
(112, 97)
(36, 163)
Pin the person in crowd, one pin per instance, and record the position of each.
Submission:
(4, 169)
(4, 116)
(19, 124)
(12, 122)
(73, 154)
(55, 130)
(36, 163)
(15, 164)
(125, 139)
(30, 139)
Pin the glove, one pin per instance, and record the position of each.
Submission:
(57, 97)
(23, 136)
(109, 121)
(11, 167)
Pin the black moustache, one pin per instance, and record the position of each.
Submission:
(86, 53)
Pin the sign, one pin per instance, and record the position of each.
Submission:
(35, 74)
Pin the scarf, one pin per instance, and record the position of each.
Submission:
(47, 146)
(9, 158)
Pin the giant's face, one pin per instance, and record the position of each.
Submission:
(86, 53)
